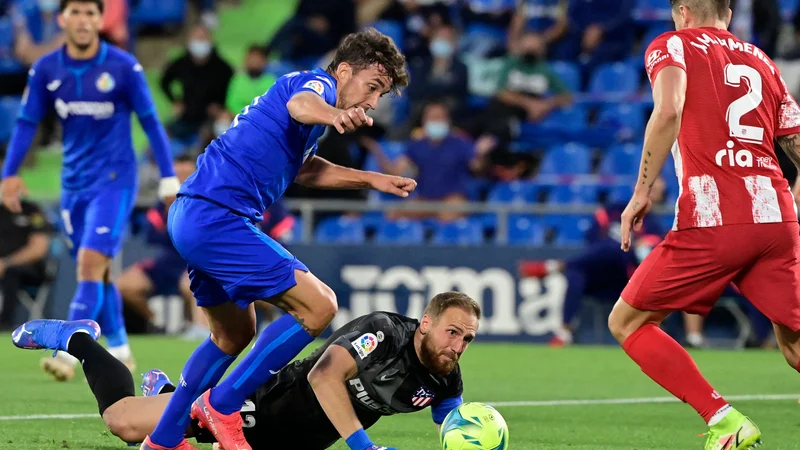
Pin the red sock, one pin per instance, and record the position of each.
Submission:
(668, 364)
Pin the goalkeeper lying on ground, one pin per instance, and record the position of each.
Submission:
(376, 365)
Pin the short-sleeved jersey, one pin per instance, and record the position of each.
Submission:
(93, 99)
(285, 413)
(736, 105)
(250, 165)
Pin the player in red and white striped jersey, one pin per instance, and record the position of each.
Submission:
(719, 105)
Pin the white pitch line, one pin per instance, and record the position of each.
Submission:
(542, 403)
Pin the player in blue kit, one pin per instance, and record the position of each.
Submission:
(232, 263)
(93, 88)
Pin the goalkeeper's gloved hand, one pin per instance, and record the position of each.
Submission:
(360, 441)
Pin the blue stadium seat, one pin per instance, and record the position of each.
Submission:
(788, 9)
(573, 193)
(393, 29)
(615, 78)
(624, 120)
(340, 230)
(514, 192)
(525, 230)
(619, 194)
(621, 160)
(460, 232)
(400, 232)
(666, 221)
(650, 35)
(569, 158)
(652, 11)
(158, 12)
(296, 234)
(570, 230)
(9, 108)
(280, 67)
(569, 73)
(566, 120)
(8, 63)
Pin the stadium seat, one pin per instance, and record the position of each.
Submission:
(625, 121)
(392, 150)
(9, 108)
(8, 63)
(615, 78)
(570, 230)
(400, 232)
(788, 9)
(514, 192)
(460, 232)
(525, 230)
(666, 221)
(158, 12)
(340, 230)
(568, 73)
(569, 158)
(652, 11)
(621, 160)
(650, 35)
(619, 194)
(573, 193)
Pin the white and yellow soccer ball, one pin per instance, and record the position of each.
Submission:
(474, 426)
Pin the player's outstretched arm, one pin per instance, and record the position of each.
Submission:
(320, 173)
(311, 109)
(669, 96)
(328, 378)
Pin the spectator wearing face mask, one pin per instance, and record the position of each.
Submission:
(443, 76)
(36, 30)
(251, 83)
(443, 162)
(203, 77)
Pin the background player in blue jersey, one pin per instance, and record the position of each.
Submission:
(232, 263)
(93, 88)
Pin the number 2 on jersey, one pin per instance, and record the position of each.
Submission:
(750, 101)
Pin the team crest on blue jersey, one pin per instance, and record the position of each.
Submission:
(105, 83)
(315, 86)
(422, 398)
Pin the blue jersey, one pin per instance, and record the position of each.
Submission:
(250, 166)
(93, 99)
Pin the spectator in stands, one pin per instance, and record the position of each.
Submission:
(603, 269)
(316, 27)
(528, 90)
(252, 82)
(443, 161)
(24, 247)
(418, 18)
(204, 78)
(115, 23)
(37, 30)
(548, 18)
(758, 22)
(13, 73)
(486, 23)
(443, 76)
(597, 31)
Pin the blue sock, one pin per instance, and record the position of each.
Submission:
(276, 347)
(88, 301)
(111, 321)
(205, 367)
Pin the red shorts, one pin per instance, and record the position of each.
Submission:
(689, 270)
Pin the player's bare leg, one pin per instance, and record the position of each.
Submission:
(310, 305)
(133, 418)
(667, 363)
(135, 287)
(693, 326)
(198, 328)
(789, 343)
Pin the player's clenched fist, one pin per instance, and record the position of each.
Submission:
(352, 119)
(399, 186)
(10, 190)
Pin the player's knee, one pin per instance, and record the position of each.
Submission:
(792, 355)
(120, 426)
(234, 341)
(92, 265)
(323, 310)
(619, 327)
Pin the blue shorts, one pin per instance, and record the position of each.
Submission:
(96, 220)
(165, 272)
(228, 256)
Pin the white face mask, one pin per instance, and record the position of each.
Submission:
(437, 130)
(199, 49)
(48, 6)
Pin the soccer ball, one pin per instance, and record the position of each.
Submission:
(474, 426)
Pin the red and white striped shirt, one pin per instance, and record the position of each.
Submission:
(736, 105)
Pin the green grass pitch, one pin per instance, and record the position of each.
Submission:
(500, 373)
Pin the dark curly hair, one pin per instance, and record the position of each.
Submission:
(371, 47)
(64, 3)
(705, 7)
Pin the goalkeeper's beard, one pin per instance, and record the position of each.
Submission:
(440, 363)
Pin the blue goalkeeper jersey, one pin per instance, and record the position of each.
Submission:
(250, 166)
(93, 99)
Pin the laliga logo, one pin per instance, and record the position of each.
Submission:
(741, 158)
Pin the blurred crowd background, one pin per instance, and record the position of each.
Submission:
(523, 126)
